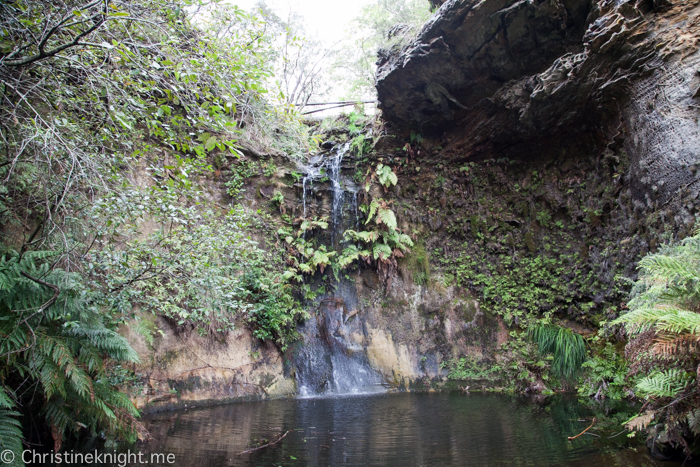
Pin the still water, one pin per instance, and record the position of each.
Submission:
(405, 429)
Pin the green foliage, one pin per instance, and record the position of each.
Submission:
(357, 122)
(383, 24)
(269, 168)
(416, 138)
(568, 348)
(240, 171)
(522, 366)
(419, 265)
(206, 272)
(386, 176)
(11, 435)
(277, 198)
(55, 339)
(384, 244)
(304, 256)
(664, 329)
(665, 383)
(361, 145)
(133, 98)
(605, 375)
(467, 368)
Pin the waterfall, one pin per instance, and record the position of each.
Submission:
(330, 361)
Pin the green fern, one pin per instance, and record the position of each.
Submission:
(664, 326)
(386, 176)
(387, 217)
(55, 338)
(373, 206)
(11, 435)
(668, 383)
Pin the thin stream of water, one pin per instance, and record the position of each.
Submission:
(327, 362)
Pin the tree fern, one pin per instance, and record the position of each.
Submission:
(667, 383)
(664, 326)
(55, 339)
(11, 435)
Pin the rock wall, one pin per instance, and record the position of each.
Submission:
(181, 369)
(558, 143)
(503, 77)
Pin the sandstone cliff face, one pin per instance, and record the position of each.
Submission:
(560, 143)
(181, 369)
(504, 77)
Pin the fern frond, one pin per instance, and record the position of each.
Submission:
(387, 217)
(667, 345)
(107, 341)
(667, 383)
(59, 414)
(640, 422)
(381, 251)
(373, 206)
(694, 421)
(5, 401)
(11, 435)
(677, 320)
(663, 267)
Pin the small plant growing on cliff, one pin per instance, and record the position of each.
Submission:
(241, 171)
(304, 256)
(383, 243)
(605, 375)
(467, 368)
(269, 168)
(386, 176)
(568, 348)
(278, 200)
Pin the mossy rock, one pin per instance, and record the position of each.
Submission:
(530, 242)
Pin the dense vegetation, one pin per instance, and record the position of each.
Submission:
(663, 325)
(116, 115)
(111, 114)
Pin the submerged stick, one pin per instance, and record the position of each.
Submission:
(248, 451)
(574, 437)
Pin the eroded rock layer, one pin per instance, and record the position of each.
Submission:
(504, 77)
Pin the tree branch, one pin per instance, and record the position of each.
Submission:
(49, 302)
(247, 451)
(75, 42)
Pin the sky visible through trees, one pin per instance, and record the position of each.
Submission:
(329, 49)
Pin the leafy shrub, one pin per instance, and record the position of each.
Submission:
(605, 375)
(240, 171)
(467, 368)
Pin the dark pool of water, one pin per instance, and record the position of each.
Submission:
(404, 429)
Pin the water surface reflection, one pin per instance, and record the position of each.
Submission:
(394, 429)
